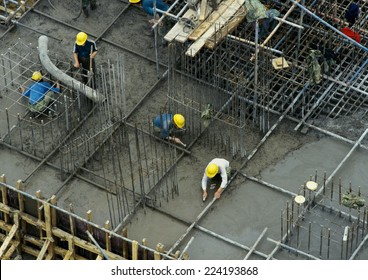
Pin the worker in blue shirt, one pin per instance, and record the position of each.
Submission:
(167, 124)
(40, 94)
(84, 53)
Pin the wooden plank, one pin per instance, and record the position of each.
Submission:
(107, 236)
(99, 257)
(68, 255)
(11, 250)
(144, 242)
(42, 253)
(203, 27)
(39, 212)
(202, 14)
(135, 250)
(220, 34)
(179, 31)
(125, 243)
(83, 244)
(49, 235)
(226, 16)
(8, 239)
(4, 195)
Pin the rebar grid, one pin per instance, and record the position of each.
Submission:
(323, 226)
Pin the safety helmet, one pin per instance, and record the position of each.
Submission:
(211, 170)
(179, 120)
(81, 38)
(134, 1)
(36, 76)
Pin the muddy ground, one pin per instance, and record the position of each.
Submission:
(287, 158)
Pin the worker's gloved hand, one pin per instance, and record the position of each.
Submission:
(76, 64)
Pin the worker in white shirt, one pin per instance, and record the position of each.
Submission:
(218, 168)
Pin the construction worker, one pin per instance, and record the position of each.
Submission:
(167, 125)
(84, 54)
(217, 170)
(148, 7)
(85, 3)
(40, 94)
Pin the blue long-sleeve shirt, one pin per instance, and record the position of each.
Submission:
(37, 91)
(165, 123)
(148, 6)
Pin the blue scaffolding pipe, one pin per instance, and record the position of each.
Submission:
(358, 71)
(329, 25)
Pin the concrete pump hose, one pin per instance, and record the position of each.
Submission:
(61, 76)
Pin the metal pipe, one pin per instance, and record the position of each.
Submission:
(329, 25)
(97, 245)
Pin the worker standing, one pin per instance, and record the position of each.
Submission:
(84, 53)
(40, 94)
(167, 125)
(85, 4)
(217, 169)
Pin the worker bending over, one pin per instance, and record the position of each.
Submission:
(167, 125)
(148, 7)
(40, 94)
(84, 53)
(217, 170)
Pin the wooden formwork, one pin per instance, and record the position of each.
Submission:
(37, 227)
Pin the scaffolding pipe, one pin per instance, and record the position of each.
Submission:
(359, 247)
(97, 245)
(328, 25)
(293, 249)
(64, 78)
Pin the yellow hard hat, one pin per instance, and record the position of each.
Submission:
(81, 38)
(211, 170)
(134, 1)
(36, 76)
(179, 120)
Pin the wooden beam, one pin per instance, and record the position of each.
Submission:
(230, 26)
(99, 257)
(202, 14)
(49, 235)
(42, 253)
(4, 196)
(219, 23)
(203, 27)
(39, 212)
(11, 250)
(8, 239)
(125, 243)
(68, 255)
(107, 236)
(83, 243)
(180, 32)
(144, 242)
(135, 250)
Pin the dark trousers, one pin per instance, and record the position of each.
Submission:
(86, 67)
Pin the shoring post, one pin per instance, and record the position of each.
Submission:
(125, 243)
(287, 221)
(48, 223)
(282, 224)
(21, 203)
(135, 250)
(39, 212)
(4, 195)
(107, 237)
